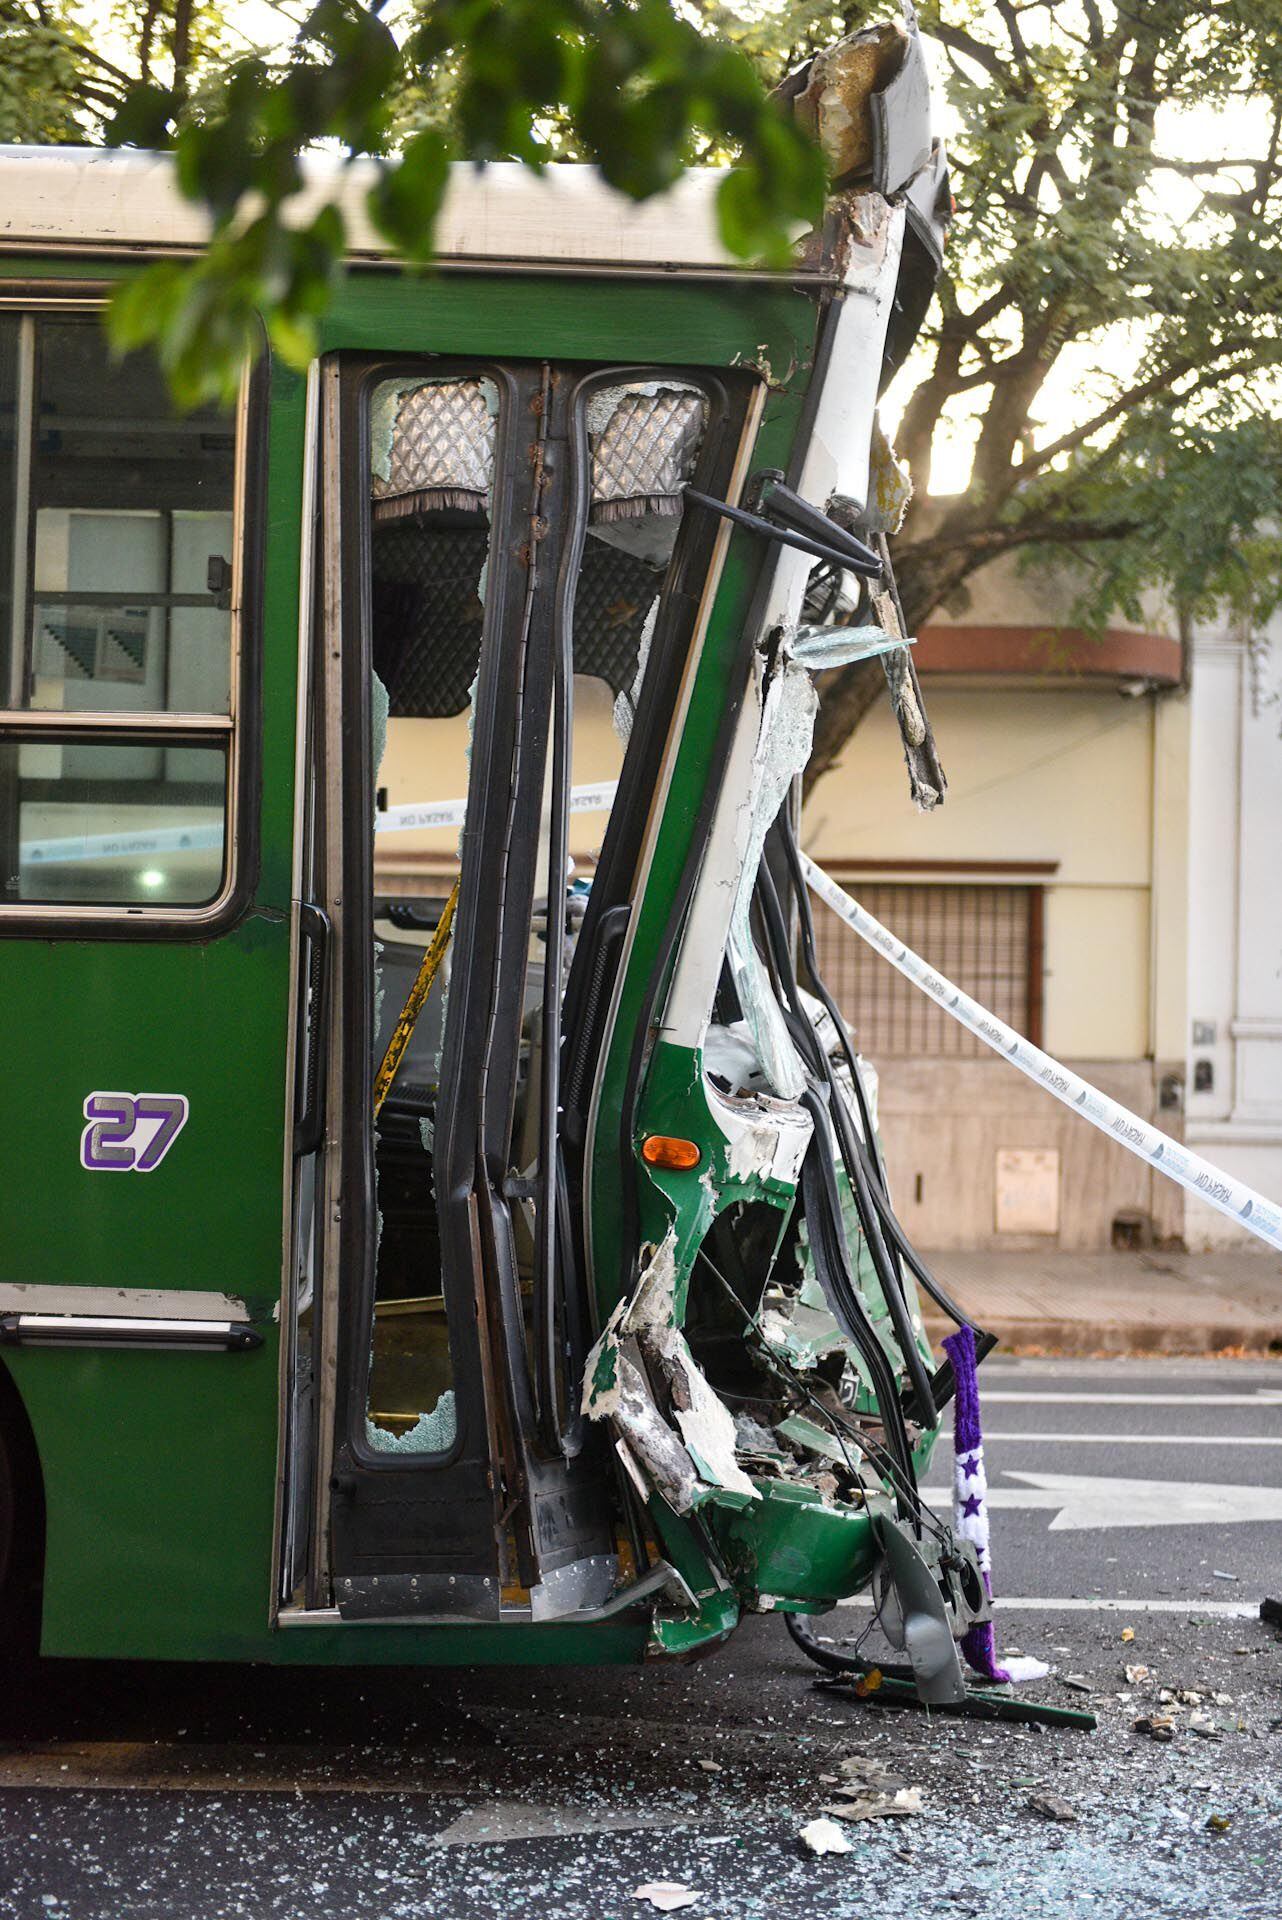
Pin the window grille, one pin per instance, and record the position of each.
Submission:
(984, 938)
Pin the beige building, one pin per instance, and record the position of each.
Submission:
(1052, 886)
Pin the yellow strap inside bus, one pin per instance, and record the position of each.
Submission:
(414, 1003)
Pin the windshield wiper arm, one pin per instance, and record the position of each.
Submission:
(786, 517)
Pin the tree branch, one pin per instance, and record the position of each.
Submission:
(145, 39)
(1133, 397)
(961, 43)
(988, 542)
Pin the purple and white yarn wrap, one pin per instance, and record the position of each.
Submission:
(970, 1507)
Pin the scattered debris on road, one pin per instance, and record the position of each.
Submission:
(824, 1836)
(875, 1806)
(667, 1896)
(1052, 1806)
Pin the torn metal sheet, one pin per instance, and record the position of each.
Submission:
(766, 1138)
(833, 94)
(890, 487)
(701, 1463)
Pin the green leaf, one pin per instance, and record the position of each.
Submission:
(407, 196)
(144, 118)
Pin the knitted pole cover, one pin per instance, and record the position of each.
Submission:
(970, 1505)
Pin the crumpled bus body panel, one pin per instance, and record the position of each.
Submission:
(737, 1398)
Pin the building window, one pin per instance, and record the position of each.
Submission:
(985, 939)
(117, 564)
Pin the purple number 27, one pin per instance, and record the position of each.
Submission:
(130, 1132)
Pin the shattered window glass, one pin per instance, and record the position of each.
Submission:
(432, 453)
(432, 448)
(787, 724)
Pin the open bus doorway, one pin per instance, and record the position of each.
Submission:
(512, 595)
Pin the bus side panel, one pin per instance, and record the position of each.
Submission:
(159, 1467)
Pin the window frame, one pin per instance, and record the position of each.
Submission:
(237, 733)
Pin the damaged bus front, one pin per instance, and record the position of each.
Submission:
(597, 1329)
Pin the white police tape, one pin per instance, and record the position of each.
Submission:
(1240, 1202)
(72, 848)
(1220, 1190)
(451, 813)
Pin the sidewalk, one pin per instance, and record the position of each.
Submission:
(1104, 1303)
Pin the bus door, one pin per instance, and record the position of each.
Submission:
(503, 586)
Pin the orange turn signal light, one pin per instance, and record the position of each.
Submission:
(661, 1150)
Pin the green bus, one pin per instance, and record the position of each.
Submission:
(564, 1318)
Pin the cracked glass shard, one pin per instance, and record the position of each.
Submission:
(431, 1433)
(822, 647)
(783, 748)
(625, 704)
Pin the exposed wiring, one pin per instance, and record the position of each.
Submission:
(879, 1457)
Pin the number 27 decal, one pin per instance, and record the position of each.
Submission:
(130, 1132)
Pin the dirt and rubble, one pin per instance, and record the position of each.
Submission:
(144, 1793)
(562, 1794)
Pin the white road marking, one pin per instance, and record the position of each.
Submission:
(1145, 1439)
(1262, 1397)
(1082, 1502)
(1033, 1603)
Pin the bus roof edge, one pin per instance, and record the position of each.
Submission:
(103, 200)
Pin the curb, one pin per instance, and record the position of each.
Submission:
(1087, 1339)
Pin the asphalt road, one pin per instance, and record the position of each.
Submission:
(202, 1794)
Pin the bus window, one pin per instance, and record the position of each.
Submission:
(128, 506)
(126, 824)
(116, 576)
(643, 439)
(9, 331)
